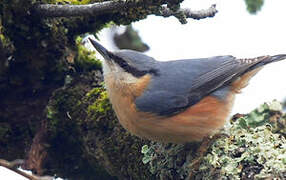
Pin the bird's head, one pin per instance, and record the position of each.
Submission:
(132, 62)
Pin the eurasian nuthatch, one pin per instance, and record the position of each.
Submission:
(175, 101)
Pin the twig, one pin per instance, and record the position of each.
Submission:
(53, 10)
(13, 167)
(182, 14)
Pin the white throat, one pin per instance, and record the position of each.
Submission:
(118, 73)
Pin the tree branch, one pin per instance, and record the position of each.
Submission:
(53, 10)
(182, 14)
(13, 167)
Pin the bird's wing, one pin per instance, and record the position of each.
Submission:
(177, 89)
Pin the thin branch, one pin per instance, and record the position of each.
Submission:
(182, 14)
(53, 10)
(13, 166)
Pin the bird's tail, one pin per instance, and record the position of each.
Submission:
(263, 60)
(275, 58)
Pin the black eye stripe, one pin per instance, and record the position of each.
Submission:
(124, 65)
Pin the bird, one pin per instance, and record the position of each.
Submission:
(176, 101)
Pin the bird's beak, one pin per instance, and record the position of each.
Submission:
(104, 52)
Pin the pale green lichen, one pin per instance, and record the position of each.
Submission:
(254, 145)
(147, 154)
(167, 161)
(267, 113)
(262, 114)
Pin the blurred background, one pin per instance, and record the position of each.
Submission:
(242, 28)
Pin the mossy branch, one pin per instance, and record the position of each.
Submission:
(54, 10)
(68, 10)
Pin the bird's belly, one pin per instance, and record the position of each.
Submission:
(202, 119)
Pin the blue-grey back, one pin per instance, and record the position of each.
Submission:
(179, 76)
(177, 85)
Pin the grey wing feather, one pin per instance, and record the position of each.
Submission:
(161, 102)
(183, 83)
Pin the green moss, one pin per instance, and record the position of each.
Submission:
(39, 46)
(106, 142)
(50, 112)
(86, 59)
(101, 105)
(60, 111)
(64, 119)
(4, 40)
(5, 44)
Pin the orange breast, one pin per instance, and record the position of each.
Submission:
(122, 96)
